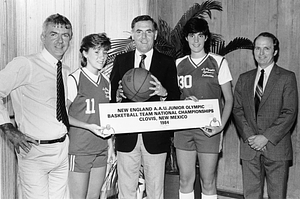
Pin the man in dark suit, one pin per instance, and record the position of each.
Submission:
(148, 148)
(266, 148)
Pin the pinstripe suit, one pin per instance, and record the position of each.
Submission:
(275, 117)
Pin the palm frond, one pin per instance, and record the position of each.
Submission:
(163, 46)
(118, 46)
(164, 30)
(198, 11)
(110, 185)
(206, 8)
(216, 46)
(237, 43)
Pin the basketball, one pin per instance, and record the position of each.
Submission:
(136, 84)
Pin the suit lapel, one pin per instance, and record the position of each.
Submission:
(272, 80)
(130, 59)
(154, 63)
(250, 90)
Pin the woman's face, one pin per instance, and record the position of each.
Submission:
(96, 58)
(196, 42)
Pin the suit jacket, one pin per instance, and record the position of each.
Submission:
(276, 114)
(164, 69)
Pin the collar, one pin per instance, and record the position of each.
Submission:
(91, 75)
(267, 69)
(49, 58)
(148, 54)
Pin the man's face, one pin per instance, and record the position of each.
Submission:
(264, 51)
(56, 39)
(144, 36)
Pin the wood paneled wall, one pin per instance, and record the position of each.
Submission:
(245, 18)
(7, 156)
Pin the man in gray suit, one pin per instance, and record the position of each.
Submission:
(265, 109)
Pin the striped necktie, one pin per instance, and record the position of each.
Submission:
(259, 90)
(61, 113)
(142, 62)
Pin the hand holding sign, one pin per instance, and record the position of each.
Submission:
(214, 128)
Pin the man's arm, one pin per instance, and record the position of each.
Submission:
(282, 125)
(17, 138)
(12, 76)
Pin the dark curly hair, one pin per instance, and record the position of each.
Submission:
(195, 25)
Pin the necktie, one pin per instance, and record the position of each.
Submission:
(259, 90)
(61, 113)
(142, 63)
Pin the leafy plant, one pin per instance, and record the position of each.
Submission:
(174, 38)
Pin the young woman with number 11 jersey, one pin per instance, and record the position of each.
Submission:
(89, 149)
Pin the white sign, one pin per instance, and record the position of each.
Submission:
(161, 115)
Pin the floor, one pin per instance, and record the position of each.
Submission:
(172, 187)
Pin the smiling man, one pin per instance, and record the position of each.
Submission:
(149, 148)
(265, 109)
(36, 85)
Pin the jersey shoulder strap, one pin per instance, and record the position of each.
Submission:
(75, 75)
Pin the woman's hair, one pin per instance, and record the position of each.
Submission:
(197, 25)
(93, 41)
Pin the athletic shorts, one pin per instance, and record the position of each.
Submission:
(84, 163)
(196, 140)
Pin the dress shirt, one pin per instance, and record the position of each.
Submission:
(267, 72)
(31, 81)
(147, 60)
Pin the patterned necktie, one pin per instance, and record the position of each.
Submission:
(61, 113)
(259, 90)
(142, 63)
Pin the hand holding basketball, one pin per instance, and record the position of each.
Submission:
(120, 93)
(158, 88)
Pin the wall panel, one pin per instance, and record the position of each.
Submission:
(7, 52)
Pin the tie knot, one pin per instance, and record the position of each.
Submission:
(262, 71)
(59, 64)
(143, 56)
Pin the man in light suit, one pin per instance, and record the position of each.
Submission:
(149, 148)
(266, 148)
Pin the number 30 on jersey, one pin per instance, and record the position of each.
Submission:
(185, 81)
